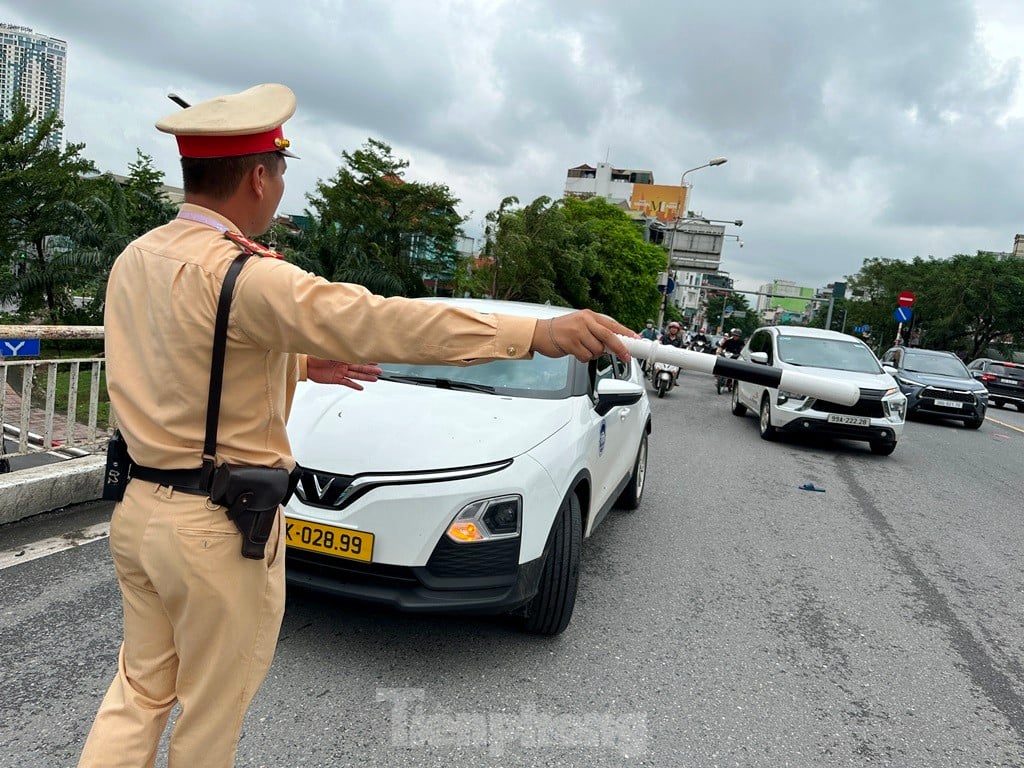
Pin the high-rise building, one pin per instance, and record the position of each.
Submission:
(32, 66)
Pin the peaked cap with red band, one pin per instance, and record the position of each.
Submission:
(245, 123)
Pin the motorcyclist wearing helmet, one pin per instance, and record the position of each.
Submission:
(698, 338)
(731, 344)
(672, 335)
(651, 334)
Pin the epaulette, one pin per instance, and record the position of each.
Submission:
(251, 246)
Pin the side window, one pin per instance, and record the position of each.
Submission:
(602, 368)
(621, 369)
(761, 341)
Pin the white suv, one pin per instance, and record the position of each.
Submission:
(468, 489)
(877, 417)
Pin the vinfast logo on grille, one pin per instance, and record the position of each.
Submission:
(323, 489)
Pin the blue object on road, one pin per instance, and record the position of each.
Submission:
(811, 487)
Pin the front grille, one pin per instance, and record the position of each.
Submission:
(486, 558)
(870, 405)
(350, 571)
(947, 394)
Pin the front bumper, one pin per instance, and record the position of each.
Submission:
(445, 589)
(921, 401)
(883, 433)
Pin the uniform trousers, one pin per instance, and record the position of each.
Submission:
(200, 626)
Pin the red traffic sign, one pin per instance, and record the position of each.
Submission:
(905, 299)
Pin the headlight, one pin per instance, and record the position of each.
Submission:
(785, 397)
(897, 408)
(908, 382)
(488, 519)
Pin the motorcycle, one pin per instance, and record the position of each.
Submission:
(699, 346)
(724, 382)
(664, 377)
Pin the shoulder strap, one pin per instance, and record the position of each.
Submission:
(220, 339)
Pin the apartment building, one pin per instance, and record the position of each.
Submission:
(33, 67)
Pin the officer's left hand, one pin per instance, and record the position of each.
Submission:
(346, 374)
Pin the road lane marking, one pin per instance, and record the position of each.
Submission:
(1004, 424)
(54, 545)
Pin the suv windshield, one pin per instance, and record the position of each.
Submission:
(934, 364)
(541, 377)
(828, 353)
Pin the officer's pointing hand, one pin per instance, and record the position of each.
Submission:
(346, 374)
(583, 334)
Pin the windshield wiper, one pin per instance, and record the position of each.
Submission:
(442, 383)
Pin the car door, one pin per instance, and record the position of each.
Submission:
(611, 446)
(760, 341)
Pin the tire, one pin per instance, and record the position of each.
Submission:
(764, 423)
(1001, 404)
(738, 408)
(633, 493)
(661, 390)
(549, 611)
(882, 449)
(718, 385)
(975, 423)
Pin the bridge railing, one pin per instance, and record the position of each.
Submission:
(58, 404)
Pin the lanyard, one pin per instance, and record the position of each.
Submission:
(201, 219)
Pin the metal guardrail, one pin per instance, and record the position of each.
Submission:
(42, 404)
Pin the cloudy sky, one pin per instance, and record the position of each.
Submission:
(853, 128)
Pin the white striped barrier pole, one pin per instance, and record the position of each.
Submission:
(819, 387)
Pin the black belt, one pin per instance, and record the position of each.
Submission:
(184, 480)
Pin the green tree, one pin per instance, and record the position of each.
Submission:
(717, 302)
(40, 185)
(963, 303)
(374, 227)
(583, 254)
(618, 271)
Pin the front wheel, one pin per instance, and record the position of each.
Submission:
(549, 611)
(975, 423)
(882, 449)
(661, 389)
(768, 432)
(634, 490)
(738, 408)
(718, 385)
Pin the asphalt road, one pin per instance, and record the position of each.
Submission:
(733, 620)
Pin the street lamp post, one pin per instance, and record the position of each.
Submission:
(675, 228)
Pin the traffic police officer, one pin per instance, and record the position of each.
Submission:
(201, 621)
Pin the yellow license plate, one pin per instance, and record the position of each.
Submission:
(329, 540)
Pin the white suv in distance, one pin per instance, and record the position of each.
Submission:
(877, 417)
(465, 489)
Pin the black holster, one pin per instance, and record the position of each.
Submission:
(252, 496)
(117, 473)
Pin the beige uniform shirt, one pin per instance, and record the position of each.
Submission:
(161, 306)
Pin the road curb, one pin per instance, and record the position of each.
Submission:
(36, 490)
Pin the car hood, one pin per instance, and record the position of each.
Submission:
(947, 382)
(406, 427)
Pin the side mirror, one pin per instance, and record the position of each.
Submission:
(614, 393)
(761, 358)
(889, 369)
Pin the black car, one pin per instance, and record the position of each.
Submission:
(937, 383)
(1003, 380)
